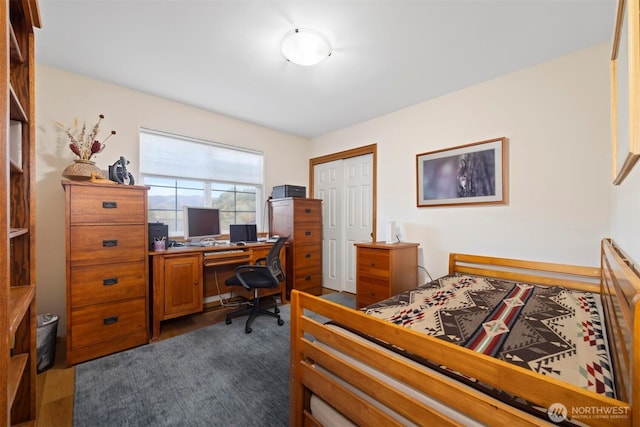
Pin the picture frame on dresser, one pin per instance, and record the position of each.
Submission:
(625, 84)
(467, 174)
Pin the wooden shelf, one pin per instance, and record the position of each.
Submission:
(15, 232)
(20, 298)
(18, 291)
(16, 110)
(15, 168)
(17, 365)
(16, 52)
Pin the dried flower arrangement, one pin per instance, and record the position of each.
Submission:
(82, 145)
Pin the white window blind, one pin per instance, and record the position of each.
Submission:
(177, 156)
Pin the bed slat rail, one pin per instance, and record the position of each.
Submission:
(534, 387)
(343, 399)
(544, 273)
(450, 392)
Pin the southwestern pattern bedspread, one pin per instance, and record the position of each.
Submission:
(551, 330)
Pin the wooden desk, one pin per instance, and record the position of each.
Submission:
(182, 277)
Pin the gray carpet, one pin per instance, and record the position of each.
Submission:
(215, 376)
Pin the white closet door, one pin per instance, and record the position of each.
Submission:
(346, 187)
(328, 187)
(358, 206)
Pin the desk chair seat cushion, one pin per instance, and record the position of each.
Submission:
(252, 278)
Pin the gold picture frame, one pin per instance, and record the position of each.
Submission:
(471, 174)
(625, 66)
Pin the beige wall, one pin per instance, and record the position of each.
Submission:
(556, 118)
(62, 96)
(625, 214)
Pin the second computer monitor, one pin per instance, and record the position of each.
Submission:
(243, 233)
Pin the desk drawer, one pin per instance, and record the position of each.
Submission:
(93, 285)
(113, 205)
(107, 243)
(103, 322)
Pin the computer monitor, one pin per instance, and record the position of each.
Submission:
(200, 223)
(243, 233)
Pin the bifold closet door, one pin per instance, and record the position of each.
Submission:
(346, 188)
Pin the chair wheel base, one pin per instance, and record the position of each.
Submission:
(228, 321)
(280, 322)
(247, 330)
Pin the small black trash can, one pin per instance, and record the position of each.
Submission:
(46, 332)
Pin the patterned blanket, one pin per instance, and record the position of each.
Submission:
(551, 330)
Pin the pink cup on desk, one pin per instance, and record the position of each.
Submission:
(158, 245)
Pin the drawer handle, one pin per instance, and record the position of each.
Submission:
(307, 233)
(109, 243)
(373, 264)
(110, 320)
(109, 205)
(110, 281)
(307, 210)
(307, 277)
(307, 255)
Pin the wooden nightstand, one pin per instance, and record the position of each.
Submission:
(384, 269)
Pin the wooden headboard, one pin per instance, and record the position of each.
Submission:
(544, 273)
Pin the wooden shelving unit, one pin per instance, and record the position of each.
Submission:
(17, 195)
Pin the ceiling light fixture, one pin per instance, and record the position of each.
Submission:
(305, 47)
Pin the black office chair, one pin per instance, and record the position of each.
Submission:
(265, 273)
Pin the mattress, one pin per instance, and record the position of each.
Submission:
(551, 330)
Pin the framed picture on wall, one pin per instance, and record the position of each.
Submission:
(464, 175)
(625, 85)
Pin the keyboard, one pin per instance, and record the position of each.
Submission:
(225, 252)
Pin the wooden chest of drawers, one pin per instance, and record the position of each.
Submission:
(107, 269)
(301, 220)
(383, 270)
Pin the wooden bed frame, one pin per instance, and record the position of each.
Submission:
(616, 281)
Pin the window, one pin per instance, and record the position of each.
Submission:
(183, 171)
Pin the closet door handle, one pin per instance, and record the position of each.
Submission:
(307, 210)
(110, 320)
(307, 255)
(307, 233)
(110, 243)
(307, 278)
(110, 281)
(109, 205)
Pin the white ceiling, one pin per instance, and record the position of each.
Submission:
(224, 56)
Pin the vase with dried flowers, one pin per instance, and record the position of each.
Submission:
(84, 145)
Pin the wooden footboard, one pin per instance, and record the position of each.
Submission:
(342, 370)
(621, 301)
